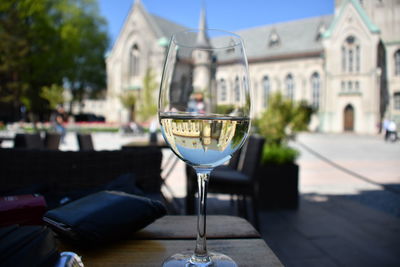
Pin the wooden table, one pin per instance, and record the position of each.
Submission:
(230, 235)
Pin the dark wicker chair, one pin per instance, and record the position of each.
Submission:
(61, 172)
(85, 142)
(240, 181)
(52, 141)
(29, 141)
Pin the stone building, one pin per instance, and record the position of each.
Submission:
(347, 65)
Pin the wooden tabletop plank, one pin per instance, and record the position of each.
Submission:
(146, 253)
(184, 227)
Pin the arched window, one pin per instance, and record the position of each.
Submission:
(134, 62)
(351, 56)
(237, 89)
(266, 90)
(397, 63)
(183, 86)
(344, 59)
(396, 100)
(315, 89)
(289, 84)
(222, 90)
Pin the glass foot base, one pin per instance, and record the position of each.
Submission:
(186, 259)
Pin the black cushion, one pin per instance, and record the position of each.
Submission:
(104, 216)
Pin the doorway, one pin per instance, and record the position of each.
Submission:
(348, 118)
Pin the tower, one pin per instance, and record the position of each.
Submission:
(202, 58)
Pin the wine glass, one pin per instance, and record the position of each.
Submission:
(204, 112)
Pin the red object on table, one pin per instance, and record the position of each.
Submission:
(22, 209)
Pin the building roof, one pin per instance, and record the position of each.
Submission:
(165, 28)
(287, 38)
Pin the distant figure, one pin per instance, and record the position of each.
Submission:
(392, 131)
(385, 126)
(57, 119)
(196, 103)
(23, 113)
(153, 131)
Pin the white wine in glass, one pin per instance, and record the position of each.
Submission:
(203, 120)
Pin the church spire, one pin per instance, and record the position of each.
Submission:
(202, 37)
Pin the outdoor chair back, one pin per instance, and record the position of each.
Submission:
(52, 141)
(29, 141)
(85, 142)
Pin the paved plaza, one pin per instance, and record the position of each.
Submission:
(349, 212)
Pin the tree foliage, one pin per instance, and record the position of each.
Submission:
(54, 94)
(283, 119)
(128, 100)
(148, 99)
(49, 42)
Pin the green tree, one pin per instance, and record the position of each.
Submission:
(28, 52)
(50, 42)
(85, 38)
(283, 119)
(128, 100)
(148, 99)
(54, 94)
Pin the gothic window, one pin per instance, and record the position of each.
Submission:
(289, 84)
(266, 90)
(344, 65)
(396, 100)
(397, 63)
(357, 86)
(237, 89)
(184, 88)
(134, 63)
(315, 87)
(222, 90)
(357, 58)
(351, 57)
(350, 86)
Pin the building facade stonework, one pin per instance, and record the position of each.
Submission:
(347, 65)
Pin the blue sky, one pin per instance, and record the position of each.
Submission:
(230, 15)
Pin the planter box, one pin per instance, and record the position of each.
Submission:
(278, 186)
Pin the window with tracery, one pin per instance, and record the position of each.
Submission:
(222, 90)
(351, 55)
(289, 85)
(266, 90)
(134, 62)
(397, 63)
(315, 89)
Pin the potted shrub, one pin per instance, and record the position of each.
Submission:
(278, 171)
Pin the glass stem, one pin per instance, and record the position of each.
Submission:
(200, 251)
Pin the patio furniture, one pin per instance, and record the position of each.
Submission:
(241, 181)
(29, 141)
(150, 246)
(85, 142)
(58, 173)
(166, 169)
(52, 140)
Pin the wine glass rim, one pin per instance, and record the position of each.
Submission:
(238, 41)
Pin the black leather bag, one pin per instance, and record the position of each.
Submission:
(103, 216)
(27, 246)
